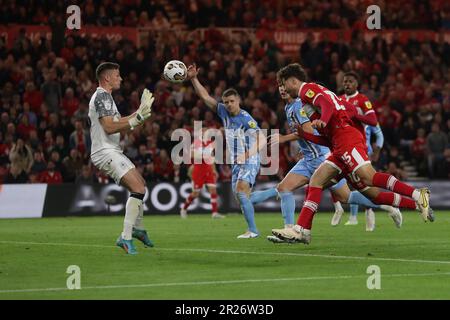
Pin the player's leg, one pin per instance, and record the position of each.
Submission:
(262, 195)
(301, 232)
(285, 188)
(198, 180)
(370, 177)
(243, 196)
(395, 214)
(214, 207)
(294, 180)
(139, 231)
(192, 196)
(243, 179)
(133, 181)
(338, 210)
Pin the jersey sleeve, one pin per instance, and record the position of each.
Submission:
(249, 123)
(103, 103)
(221, 111)
(310, 92)
(365, 105)
(300, 113)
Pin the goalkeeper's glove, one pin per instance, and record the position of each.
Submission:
(145, 110)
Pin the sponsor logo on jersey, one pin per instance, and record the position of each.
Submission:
(368, 105)
(107, 103)
(310, 93)
(252, 124)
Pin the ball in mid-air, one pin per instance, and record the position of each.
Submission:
(175, 71)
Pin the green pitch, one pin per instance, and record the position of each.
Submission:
(200, 258)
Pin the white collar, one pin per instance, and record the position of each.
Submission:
(352, 96)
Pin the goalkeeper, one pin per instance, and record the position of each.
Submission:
(107, 155)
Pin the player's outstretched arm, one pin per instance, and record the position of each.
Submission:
(144, 112)
(200, 90)
(306, 132)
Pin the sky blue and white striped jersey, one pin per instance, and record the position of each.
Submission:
(296, 115)
(374, 130)
(240, 132)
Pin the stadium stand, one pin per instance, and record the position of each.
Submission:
(45, 87)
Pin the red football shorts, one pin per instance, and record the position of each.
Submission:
(347, 160)
(202, 175)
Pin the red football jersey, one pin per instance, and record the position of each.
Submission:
(358, 104)
(203, 151)
(340, 128)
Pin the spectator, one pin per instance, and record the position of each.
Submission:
(80, 139)
(160, 22)
(51, 90)
(39, 164)
(51, 175)
(163, 167)
(86, 176)
(33, 97)
(70, 103)
(61, 147)
(21, 158)
(72, 165)
(436, 143)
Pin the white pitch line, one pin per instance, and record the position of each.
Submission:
(200, 283)
(294, 254)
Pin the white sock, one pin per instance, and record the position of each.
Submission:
(140, 219)
(132, 210)
(416, 195)
(338, 206)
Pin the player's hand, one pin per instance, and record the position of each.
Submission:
(318, 124)
(274, 139)
(192, 71)
(145, 109)
(300, 130)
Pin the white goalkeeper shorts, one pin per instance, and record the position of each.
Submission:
(112, 162)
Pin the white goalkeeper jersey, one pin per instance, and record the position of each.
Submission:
(102, 105)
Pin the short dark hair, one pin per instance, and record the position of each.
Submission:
(352, 74)
(230, 92)
(104, 66)
(292, 70)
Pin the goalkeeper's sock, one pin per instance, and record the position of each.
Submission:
(260, 196)
(248, 211)
(132, 210)
(139, 224)
(287, 207)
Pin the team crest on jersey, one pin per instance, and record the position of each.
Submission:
(368, 105)
(252, 124)
(303, 113)
(310, 93)
(108, 104)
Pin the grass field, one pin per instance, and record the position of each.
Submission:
(200, 258)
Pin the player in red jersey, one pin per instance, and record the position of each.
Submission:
(203, 173)
(349, 157)
(359, 105)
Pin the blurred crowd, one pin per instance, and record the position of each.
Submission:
(45, 91)
(406, 14)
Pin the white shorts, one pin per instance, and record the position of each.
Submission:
(114, 163)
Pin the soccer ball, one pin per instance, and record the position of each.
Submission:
(175, 71)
